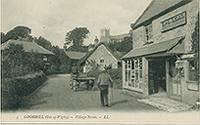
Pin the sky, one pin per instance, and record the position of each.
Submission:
(52, 19)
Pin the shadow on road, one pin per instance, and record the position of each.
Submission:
(119, 102)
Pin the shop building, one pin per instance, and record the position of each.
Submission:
(163, 59)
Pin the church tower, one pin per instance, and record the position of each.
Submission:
(105, 35)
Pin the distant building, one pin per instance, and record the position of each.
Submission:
(162, 58)
(83, 49)
(106, 37)
(74, 57)
(31, 47)
(102, 56)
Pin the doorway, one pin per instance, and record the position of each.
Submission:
(157, 76)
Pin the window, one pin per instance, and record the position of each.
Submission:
(193, 71)
(132, 64)
(101, 60)
(140, 67)
(149, 32)
(133, 73)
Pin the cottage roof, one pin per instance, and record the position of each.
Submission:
(91, 52)
(75, 55)
(171, 46)
(28, 46)
(156, 8)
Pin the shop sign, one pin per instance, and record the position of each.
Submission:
(174, 22)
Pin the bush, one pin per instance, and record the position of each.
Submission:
(15, 88)
(27, 84)
(116, 75)
(17, 62)
(64, 69)
(9, 100)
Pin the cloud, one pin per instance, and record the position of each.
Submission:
(53, 18)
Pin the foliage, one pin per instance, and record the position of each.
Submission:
(116, 74)
(76, 36)
(2, 37)
(15, 88)
(12, 60)
(124, 46)
(95, 69)
(29, 62)
(195, 45)
(27, 84)
(195, 39)
(44, 43)
(15, 62)
(59, 62)
(17, 33)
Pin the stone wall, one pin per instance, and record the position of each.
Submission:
(138, 37)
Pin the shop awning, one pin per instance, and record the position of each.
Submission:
(173, 46)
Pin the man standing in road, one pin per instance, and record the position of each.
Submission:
(104, 82)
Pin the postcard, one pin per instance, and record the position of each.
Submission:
(100, 61)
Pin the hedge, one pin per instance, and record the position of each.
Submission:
(14, 89)
(116, 75)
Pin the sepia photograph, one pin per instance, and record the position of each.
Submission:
(100, 61)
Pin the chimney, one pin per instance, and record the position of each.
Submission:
(96, 40)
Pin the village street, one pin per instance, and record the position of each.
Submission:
(56, 94)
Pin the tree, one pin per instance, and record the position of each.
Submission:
(195, 47)
(124, 46)
(2, 37)
(76, 36)
(44, 43)
(18, 32)
(59, 62)
(17, 62)
(12, 59)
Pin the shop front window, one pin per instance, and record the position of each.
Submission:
(133, 73)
